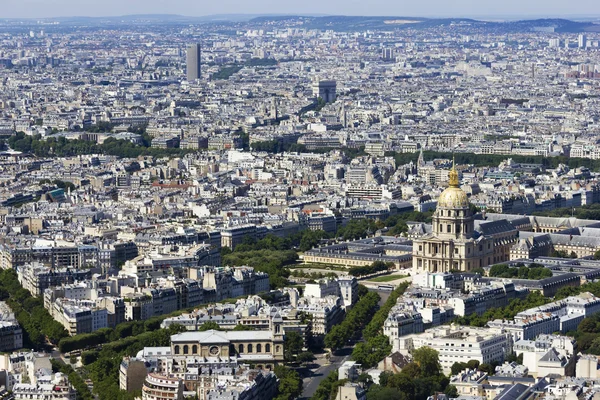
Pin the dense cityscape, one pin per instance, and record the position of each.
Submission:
(311, 207)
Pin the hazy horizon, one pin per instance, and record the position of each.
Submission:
(434, 8)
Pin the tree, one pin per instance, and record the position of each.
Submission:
(428, 361)
(365, 379)
(305, 357)
(361, 353)
(451, 391)
(362, 290)
(293, 344)
(290, 384)
(241, 327)
(402, 382)
(325, 389)
(377, 392)
(336, 338)
(208, 325)
(588, 325)
(457, 367)
(487, 368)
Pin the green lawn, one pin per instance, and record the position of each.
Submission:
(387, 278)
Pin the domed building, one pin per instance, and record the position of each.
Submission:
(454, 243)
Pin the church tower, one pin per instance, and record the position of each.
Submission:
(453, 218)
(453, 244)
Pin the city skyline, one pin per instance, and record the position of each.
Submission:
(464, 8)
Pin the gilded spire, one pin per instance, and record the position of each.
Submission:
(453, 175)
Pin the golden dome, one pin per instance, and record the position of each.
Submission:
(454, 196)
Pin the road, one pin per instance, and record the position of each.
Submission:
(312, 383)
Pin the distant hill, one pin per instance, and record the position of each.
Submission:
(353, 23)
(337, 22)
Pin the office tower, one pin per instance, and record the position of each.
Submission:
(193, 62)
(582, 41)
(554, 43)
(387, 54)
(325, 90)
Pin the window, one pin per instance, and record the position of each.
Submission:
(259, 348)
(186, 349)
(241, 348)
(267, 348)
(449, 227)
(250, 348)
(278, 349)
(176, 349)
(194, 349)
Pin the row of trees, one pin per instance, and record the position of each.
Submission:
(356, 319)
(62, 147)
(562, 254)
(106, 335)
(36, 322)
(83, 392)
(278, 146)
(376, 266)
(483, 160)
(298, 273)
(520, 271)
(592, 287)
(328, 387)
(588, 211)
(376, 345)
(533, 299)
(587, 335)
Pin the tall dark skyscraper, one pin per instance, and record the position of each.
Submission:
(193, 62)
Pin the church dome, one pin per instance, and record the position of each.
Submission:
(454, 196)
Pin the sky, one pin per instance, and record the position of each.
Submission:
(428, 8)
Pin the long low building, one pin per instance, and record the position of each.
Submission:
(364, 252)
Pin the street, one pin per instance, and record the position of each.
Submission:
(312, 382)
(325, 368)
